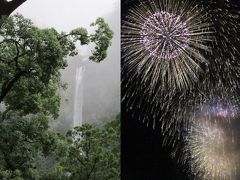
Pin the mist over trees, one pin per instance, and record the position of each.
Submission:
(100, 83)
(30, 62)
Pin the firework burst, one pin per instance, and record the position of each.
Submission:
(161, 62)
(164, 44)
(164, 35)
(173, 68)
(211, 152)
(210, 143)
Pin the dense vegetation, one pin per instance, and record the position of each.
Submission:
(30, 61)
(91, 153)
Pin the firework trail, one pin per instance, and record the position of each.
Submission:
(165, 42)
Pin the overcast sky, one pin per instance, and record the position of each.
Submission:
(65, 15)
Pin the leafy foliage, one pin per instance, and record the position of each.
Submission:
(31, 58)
(102, 39)
(21, 138)
(94, 153)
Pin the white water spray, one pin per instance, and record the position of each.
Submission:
(78, 97)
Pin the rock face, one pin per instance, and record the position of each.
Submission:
(7, 7)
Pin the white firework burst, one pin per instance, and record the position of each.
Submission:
(211, 149)
(164, 35)
(164, 43)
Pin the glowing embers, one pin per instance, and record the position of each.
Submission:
(211, 149)
(219, 111)
(164, 35)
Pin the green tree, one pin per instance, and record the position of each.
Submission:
(93, 154)
(30, 62)
(21, 138)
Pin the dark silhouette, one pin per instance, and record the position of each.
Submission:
(7, 7)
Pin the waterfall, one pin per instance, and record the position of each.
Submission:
(78, 97)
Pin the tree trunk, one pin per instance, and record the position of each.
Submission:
(6, 88)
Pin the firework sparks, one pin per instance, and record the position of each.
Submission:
(164, 42)
(225, 17)
(178, 69)
(165, 47)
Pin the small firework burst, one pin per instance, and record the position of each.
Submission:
(164, 43)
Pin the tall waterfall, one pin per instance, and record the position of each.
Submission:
(78, 97)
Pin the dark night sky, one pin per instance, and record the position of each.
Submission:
(143, 156)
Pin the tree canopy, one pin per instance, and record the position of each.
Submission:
(30, 60)
(93, 153)
(21, 139)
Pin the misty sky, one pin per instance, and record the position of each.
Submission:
(65, 15)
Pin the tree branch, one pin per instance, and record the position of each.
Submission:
(18, 55)
(7, 160)
(16, 58)
(93, 167)
(81, 162)
(7, 86)
(4, 114)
